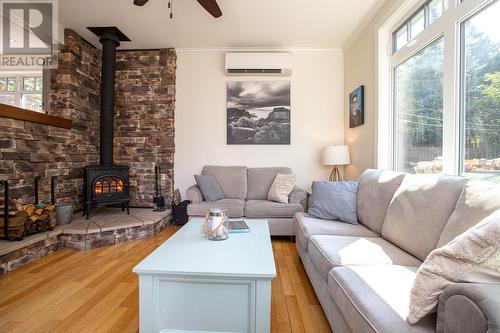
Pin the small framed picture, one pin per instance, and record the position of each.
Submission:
(356, 107)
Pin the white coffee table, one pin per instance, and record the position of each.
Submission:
(192, 284)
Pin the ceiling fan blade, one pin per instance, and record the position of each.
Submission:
(212, 7)
(140, 2)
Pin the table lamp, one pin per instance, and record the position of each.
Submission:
(335, 155)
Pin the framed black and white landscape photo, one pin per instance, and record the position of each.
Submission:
(258, 112)
(356, 107)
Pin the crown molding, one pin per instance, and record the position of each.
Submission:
(222, 50)
(365, 21)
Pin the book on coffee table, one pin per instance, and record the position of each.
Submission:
(237, 226)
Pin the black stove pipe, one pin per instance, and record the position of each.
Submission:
(110, 41)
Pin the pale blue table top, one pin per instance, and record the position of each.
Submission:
(189, 252)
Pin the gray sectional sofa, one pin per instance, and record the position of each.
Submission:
(245, 195)
(362, 274)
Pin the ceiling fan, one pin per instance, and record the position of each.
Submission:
(210, 6)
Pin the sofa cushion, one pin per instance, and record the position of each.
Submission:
(233, 207)
(231, 179)
(478, 200)
(334, 201)
(375, 298)
(265, 208)
(327, 252)
(474, 256)
(261, 179)
(375, 191)
(419, 211)
(281, 188)
(209, 188)
(306, 226)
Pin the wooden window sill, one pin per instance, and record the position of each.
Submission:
(14, 112)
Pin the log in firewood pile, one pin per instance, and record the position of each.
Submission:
(27, 219)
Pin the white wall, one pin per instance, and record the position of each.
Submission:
(317, 116)
(361, 68)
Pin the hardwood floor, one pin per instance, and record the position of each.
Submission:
(96, 291)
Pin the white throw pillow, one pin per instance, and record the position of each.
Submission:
(473, 256)
(281, 188)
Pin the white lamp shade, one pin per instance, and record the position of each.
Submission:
(336, 155)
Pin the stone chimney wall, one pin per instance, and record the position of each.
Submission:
(144, 120)
(144, 126)
(30, 149)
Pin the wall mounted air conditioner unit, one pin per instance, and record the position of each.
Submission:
(259, 63)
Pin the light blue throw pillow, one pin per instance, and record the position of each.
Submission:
(334, 201)
(209, 187)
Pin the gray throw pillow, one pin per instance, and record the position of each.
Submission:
(209, 187)
(334, 201)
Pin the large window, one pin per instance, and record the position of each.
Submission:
(427, 14)
(442, 111)
(22, 91)
(418, 105)
(481, 91)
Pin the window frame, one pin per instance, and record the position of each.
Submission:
(408, 23)
(20, 89)
(462, 93)
(394, 124)
(455, 12)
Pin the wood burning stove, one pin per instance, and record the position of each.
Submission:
(107, 183)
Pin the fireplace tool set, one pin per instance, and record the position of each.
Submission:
(158, 199)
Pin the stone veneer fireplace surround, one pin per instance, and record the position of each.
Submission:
(143, 125)
(143, 138)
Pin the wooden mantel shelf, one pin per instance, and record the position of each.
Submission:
(14, 112)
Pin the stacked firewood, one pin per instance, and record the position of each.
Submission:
(27, 219)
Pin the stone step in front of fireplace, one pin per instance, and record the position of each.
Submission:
(107, 226)
(14, 254)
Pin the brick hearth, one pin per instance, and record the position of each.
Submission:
(111, 226)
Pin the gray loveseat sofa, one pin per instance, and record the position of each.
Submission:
(362, 274)
(245, 195)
